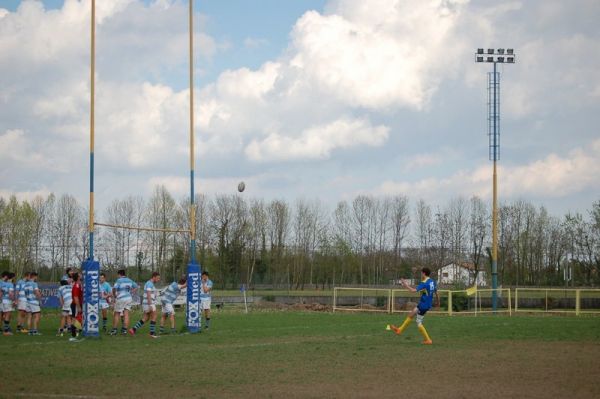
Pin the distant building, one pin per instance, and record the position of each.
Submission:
(461, 274)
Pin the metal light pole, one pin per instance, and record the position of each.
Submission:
(499, 56)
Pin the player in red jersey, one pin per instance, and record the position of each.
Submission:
(76, 306)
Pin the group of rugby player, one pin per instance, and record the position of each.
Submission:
(26, 296)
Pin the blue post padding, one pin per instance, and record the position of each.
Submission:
(91, 298)
(193, 298)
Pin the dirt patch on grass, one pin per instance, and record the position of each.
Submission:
(507, 370)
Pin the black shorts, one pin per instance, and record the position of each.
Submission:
(73, 310)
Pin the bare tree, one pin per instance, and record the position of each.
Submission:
(400, 223)
(424, 233)
(478, 232)
(278, 229)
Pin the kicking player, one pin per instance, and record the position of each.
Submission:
(7, 292)
(427, 288)
(22, 303)
(205, 298)
(148, 306)
(105, 299)
(65, 295)
(34, 296)
(169, 296)
(122, 291)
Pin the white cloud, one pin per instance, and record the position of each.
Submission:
(554, 176)
(381, 53)
(16, 148)
(318, 142)
(44, 75)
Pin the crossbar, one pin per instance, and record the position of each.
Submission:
(119, 226)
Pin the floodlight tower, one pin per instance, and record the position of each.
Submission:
(494, 56)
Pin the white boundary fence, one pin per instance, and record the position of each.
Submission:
(525, 300)
(557, 300)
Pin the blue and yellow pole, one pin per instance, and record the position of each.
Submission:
(192, 160)
(92, 79)
(193, 317)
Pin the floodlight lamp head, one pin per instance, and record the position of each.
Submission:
(500, 51)
(490, 51)
(479, 59)
(479, 51)
(510, 51)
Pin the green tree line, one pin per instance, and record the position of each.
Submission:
(368, 240)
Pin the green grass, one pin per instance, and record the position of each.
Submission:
(300, 354)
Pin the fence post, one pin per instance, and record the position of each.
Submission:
(577, 302)
(509, 303)
(516, 300)
(334, 298)
(449, 303)
(390, 297)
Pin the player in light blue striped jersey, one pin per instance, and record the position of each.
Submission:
(169, 296)
(122, 291)
(148, 306)
(105, 298)
(205, 298)
(65, 295)
(21, 303)
(34, 295)
(7, 291)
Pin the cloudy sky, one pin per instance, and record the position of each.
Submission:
(302, 98)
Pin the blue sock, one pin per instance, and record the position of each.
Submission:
(138, 325)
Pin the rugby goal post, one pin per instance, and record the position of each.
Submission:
(91, 268)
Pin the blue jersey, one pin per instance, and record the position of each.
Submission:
(7, 288)
(170, 293)
(149, 288)
(30, 288)
(209, 284)
(426, 289)
(105, 291)
(123, 287)
(20, 288)
(66, 293)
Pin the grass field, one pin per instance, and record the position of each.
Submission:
(276, 354)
